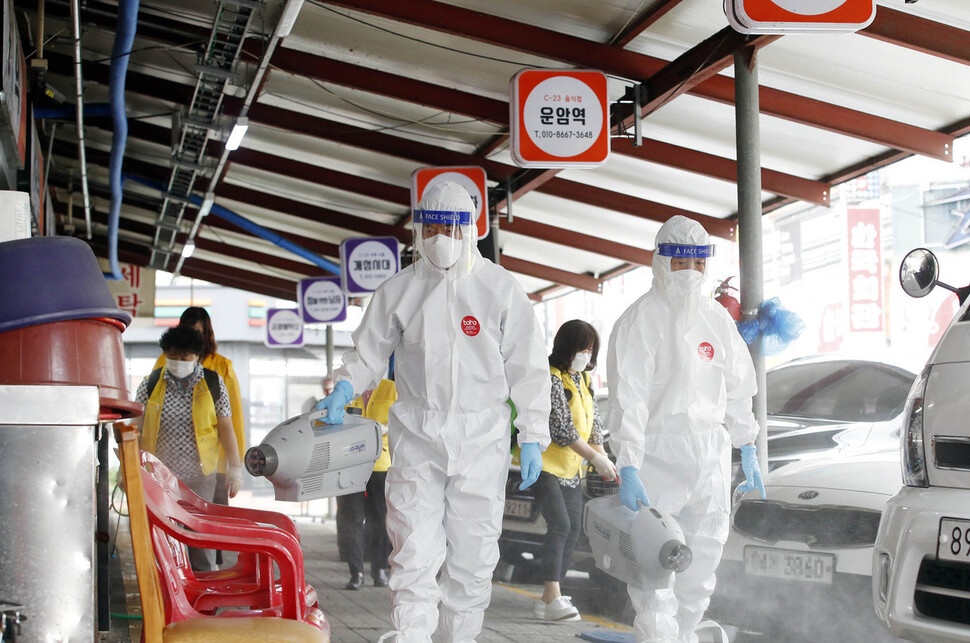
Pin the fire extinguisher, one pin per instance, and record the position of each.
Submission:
(726, 299)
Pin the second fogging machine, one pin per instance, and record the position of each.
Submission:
(305, 458)
(643, 548)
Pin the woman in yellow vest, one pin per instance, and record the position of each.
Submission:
(577, 435)
(198, 318)
(362, 517)
(187, 422)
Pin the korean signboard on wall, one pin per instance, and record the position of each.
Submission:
(135, 291)
(865, 270)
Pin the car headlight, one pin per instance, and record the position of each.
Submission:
(911, 437)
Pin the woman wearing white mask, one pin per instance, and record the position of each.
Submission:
(577, 435)
(187, 422)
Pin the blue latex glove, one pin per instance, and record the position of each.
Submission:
(632, 492)
(752, 471)
(530, 462)
(342, 394)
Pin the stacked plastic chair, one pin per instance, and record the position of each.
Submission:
(251, 582)
(169, 614)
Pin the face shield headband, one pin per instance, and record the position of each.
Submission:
(685, 250)
(443, 217)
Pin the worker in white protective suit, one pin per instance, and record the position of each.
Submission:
(465, 340)
(681, 382)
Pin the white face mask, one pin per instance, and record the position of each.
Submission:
(581, 361)
(180, 369)
(442, 251)
(686, 280)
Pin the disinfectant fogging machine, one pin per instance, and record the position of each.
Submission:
(305, 458)
(643, 548)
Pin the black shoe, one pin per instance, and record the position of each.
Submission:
(380, 578)
(356, 582)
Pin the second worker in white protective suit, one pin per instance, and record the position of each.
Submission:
(465, 339)
(681, 382)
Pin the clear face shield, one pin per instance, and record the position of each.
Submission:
(689, 265)
(443, 232)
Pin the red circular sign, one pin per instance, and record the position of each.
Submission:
(706, 351)
(470, 326)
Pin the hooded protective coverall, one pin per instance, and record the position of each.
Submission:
(465, 340)
(679, 375)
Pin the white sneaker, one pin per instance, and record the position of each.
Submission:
(710, 632)
(560, 609)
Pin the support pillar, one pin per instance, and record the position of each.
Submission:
(747, 111)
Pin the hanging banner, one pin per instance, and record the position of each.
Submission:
(284, 328)
(799, 16)
(560, 118)
(365, 263)
(322, 301)
(865, 270)
(470, 177)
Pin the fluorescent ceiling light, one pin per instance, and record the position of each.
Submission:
(207, 202)
(237, 133)
(188, 249)
(288, 17)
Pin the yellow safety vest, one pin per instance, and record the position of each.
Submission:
(223, 366)
(559, 460)
(378, 408)
(203, 418)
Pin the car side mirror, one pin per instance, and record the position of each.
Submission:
(918, 272)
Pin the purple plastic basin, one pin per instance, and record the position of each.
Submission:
(50, 279)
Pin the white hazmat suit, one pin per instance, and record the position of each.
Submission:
(465, 340)
(681, 383)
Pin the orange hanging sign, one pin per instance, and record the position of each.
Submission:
(799, 16)
(559, 118)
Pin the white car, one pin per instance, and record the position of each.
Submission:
(797, 566)
(921, 565)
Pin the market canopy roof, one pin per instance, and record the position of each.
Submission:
(363, 92)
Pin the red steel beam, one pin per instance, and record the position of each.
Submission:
(639, 67)
(636, 27)
(322, 248)
(312, 212)
(261, 258)
(547, 273)
(317, 174)
(208, 271)
(577, 240)
(301, 63)
(817, 192)
(926, 36)
(642, 208)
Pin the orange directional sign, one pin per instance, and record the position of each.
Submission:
(799, 16)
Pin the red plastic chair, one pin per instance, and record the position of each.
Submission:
(259, 546)
(248, 582)
(192, 630)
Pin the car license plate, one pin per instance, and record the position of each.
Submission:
(518, 508)
(954, 540)
(793, 565)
